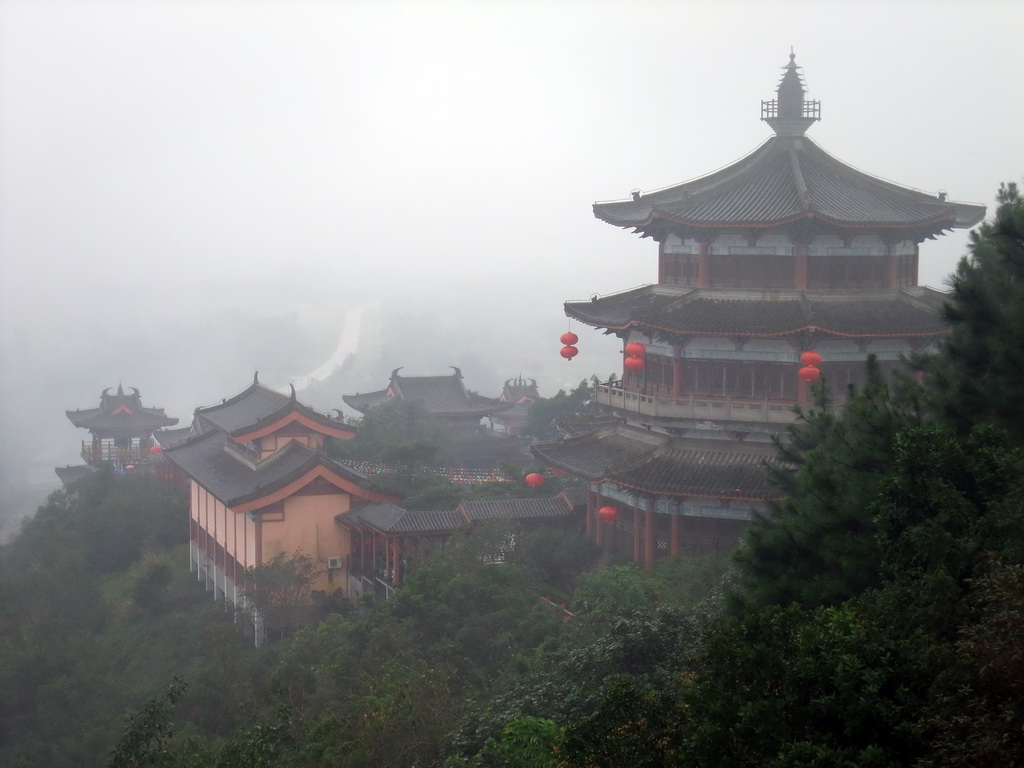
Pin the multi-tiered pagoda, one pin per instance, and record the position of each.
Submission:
(786, 254)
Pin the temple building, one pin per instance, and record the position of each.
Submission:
(121, 432)
(261, 484)
(782, 267)
(446, 397)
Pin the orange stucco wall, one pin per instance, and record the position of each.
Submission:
(306, 525)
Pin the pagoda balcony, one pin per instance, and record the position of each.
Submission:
(696, 407)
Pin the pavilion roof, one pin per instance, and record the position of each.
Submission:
(725, 312)
(440, 395)
(120, 414)
(788, 179)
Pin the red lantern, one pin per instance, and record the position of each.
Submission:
(809, 373)
(569, 338)
(557, 472)
(635, 349)
(535, 480)
(569, 352)
(607, 513)
(155, 449)
(811, 358)
(634, 363)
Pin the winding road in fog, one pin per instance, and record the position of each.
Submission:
(346, 346)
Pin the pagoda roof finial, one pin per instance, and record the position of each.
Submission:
(789, 114)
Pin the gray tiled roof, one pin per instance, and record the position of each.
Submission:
(702, 468)
(168, 438)
(591, 455)
(785, 179)
(120, 413)
(74, 474)
(390, 518)
(514, 509)
(207, 460)
(709, 311)
(252, 406)
(440, 395)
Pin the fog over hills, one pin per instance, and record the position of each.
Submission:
(190, 192)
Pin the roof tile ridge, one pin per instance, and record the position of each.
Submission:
(798, 176)
(725, 174)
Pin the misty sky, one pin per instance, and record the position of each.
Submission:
(174, 159)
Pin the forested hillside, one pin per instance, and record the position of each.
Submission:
(873, 618)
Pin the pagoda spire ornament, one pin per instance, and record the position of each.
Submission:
(789, 114)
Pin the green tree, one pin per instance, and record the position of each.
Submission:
(280, 591)
(980, 374)
(817, 546)
(402, 432)
(545, 411)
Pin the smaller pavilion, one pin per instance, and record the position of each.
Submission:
(121, 428)
(521, 393)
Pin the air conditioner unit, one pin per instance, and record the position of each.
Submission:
(334, 562)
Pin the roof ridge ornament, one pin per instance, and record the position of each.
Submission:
(789, 114)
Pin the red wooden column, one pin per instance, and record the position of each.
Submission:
(637, 523)
(650, 544)
(677, 372)
(800, 273)
(674, 537)
(890, 268)
(397, 580)
(589, 514)
(703, 267)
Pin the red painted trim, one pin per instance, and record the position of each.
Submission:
(293, 418)
(320, 471)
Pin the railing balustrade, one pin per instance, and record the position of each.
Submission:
(696, 407)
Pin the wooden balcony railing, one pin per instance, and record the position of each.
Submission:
(696, 407)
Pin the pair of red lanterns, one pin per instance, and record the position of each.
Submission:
(810, 360)
(569, 351)
(635, 352)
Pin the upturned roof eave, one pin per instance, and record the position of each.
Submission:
(927, 227)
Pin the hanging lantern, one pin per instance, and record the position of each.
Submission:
(557, 472)
(635, 349)
(607, 513)
(155, 449)
(811, 358)
(569, 352)
(535, 480)
(809, 373)
(130, 466)
(569, 338)
(634, 363)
